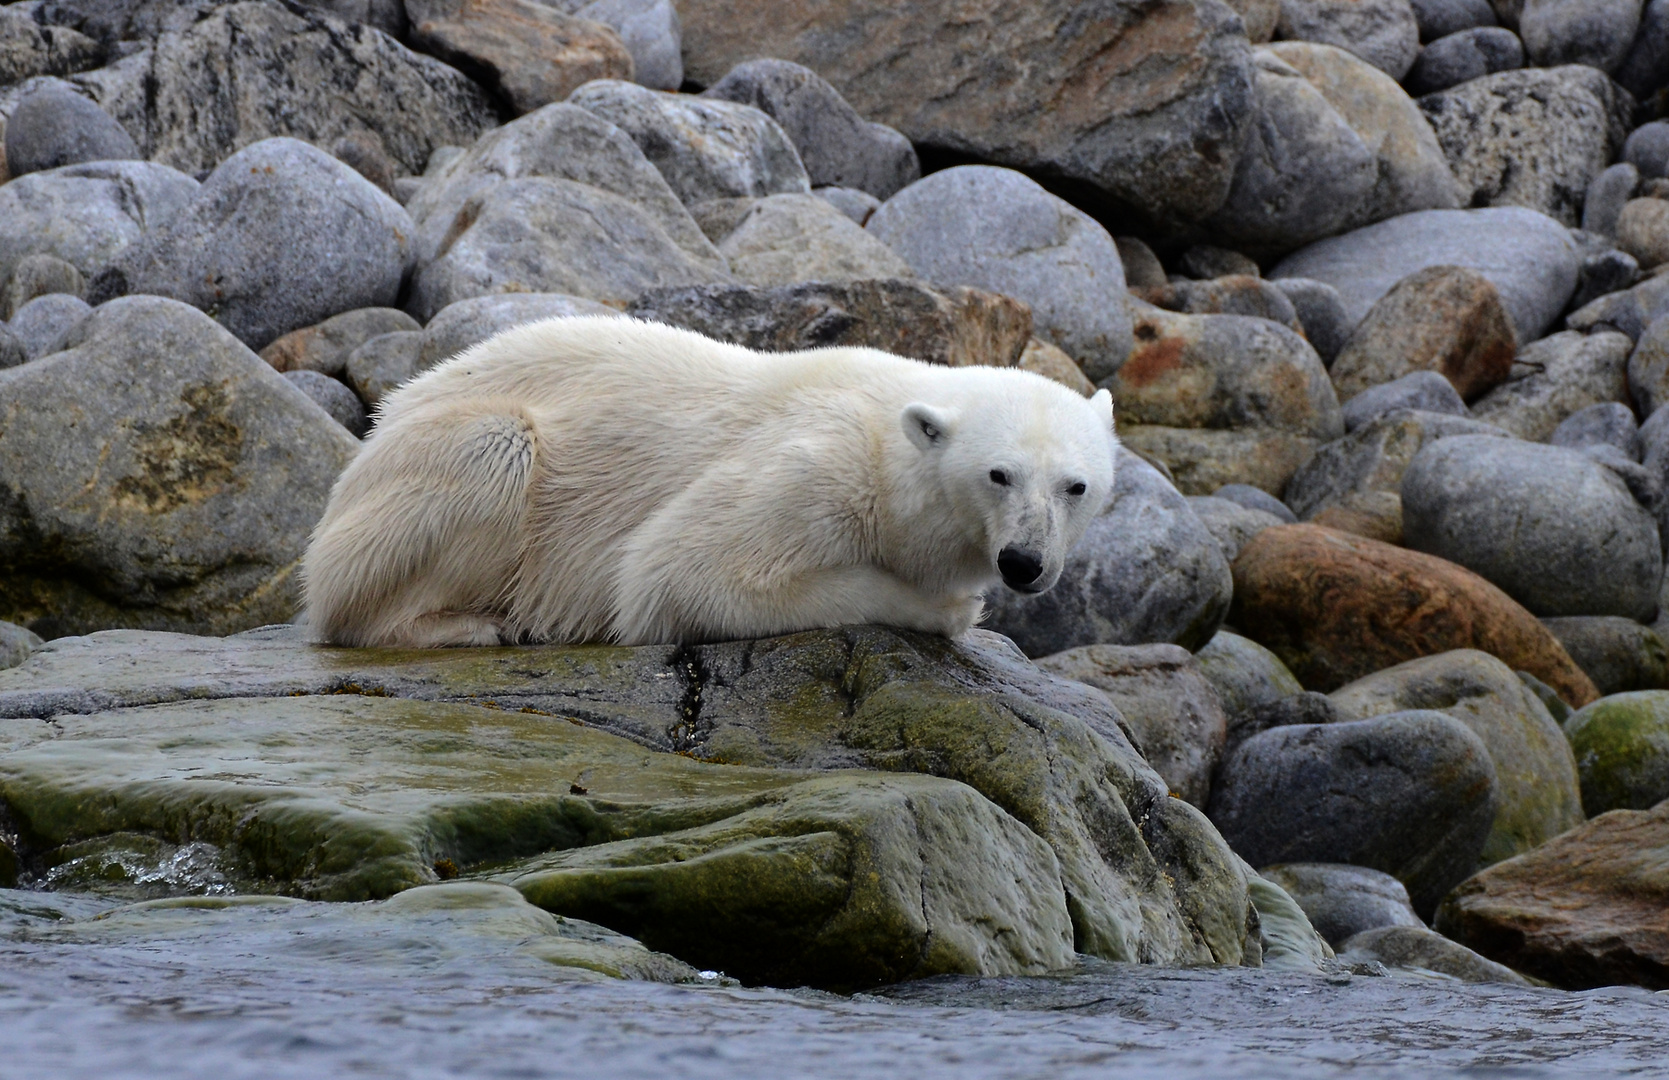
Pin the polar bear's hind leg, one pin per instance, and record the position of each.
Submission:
(423, 535)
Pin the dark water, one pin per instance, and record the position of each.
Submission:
(309, 991)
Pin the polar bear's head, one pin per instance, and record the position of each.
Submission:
(1026, 465)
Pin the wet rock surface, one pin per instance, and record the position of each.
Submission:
(1586, 909)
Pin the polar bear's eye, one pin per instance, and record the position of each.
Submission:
(999, 478)
(1077, 489)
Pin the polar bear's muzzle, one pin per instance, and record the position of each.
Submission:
(1020, 569)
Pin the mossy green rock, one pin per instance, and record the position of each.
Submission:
(1142, 876)
(1534, 769)
(1621, 744)
(352, 798)
(432, 927)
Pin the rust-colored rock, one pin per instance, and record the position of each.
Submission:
(1588, 908)
(1222, 399)
(1146, 99)
(1336, 607)
(1446, 319)
(532, 54)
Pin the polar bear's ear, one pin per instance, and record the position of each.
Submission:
(1102, 403)
(927, 426)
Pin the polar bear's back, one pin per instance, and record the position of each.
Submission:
(583, 366)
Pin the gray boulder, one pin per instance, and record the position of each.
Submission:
(999, 230)
(1606, 194)
(1382, 32)
(1530, 258)
(325, 347)
(1648, 368)
(1174, 717)
(1159, 128)
(468, 322)
(54, 126)
(1647, 149)
(1554, 378)
(1411, 793)
(1604, 272)
(39, 275)
(1231, 523)
(855, 204)
(839, 147)
(249, 71)
(1412, 173)
(1607, 424)
(1341, 900)
(544, 235)
(1423, 391)
(1256, 499)
(561, 142)
(1371, 461)
(1560, 533)
(705, 148)
(1534, 771)
(782, 239)
(1321, 313)
(1414, 948)
(1305, 173)
(1460, 58)
(1440, 18)
(16, 643)
(1597, 33)
(187, 475)
(1620, 655)
(381, 365)
(1142, 268)
(1629, 312)
(1643, 230)
(280, 236)
(12, 350)
(32, 48)
(649, 29)
(1307, 707)
(1532, 138)
(1146, 572)
(1646, 67)
(333, 397)
(1246, 675)
(87, 214)
(1207, 261)
(43, 323)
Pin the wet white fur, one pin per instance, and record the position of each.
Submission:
(603, 479)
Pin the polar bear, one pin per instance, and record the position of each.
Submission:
(602, 479)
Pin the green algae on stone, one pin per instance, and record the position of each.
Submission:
(1053, 753)
(1049, 751)
(1621, 744)
(849, 878)
(847, 881)
(430, 927)
(353, 798)
(1534, 768)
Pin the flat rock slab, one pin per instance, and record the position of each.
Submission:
(436, 929)
(1589, 908)
(851, 876)
(1146, 877)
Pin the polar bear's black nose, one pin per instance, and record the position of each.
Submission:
(1019, 568)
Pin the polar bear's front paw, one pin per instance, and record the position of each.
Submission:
(960, 615)
(446, 629)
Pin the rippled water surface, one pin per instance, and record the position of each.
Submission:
(299, 991)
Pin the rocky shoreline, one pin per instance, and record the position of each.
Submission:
(1362, 671)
